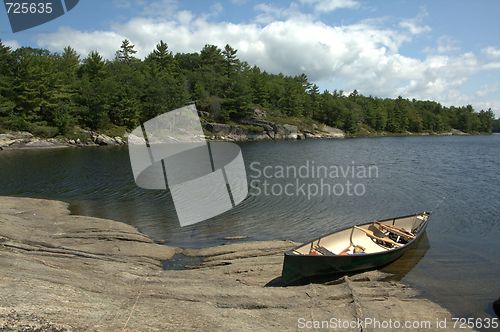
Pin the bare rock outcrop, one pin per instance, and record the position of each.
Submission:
(63, 272)
(20, 139)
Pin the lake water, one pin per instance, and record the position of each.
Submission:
(458, 178)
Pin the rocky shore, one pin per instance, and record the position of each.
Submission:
(254, 128)
(215, 131)
(26, 140)
(63, 272)
(268, 131)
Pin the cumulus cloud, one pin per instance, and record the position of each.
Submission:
(106, 42)
(365, 56)
(491, 52)
(277, 46)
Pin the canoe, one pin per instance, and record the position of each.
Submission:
(355, 248)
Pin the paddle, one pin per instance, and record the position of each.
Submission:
(396, 230)
(383, 239)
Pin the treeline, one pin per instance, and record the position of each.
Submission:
(52, 93)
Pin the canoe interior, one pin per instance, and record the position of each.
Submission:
(337, 242)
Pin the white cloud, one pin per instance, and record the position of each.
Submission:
(13, 44)
(494, 55)
(492, 52)
(106, 42)
(363, 56)
(444, 44)
(268, 13)
(326, 6)
(415, 25)
(492, 65)
(487, 89)
(485, 105)
(184, 17)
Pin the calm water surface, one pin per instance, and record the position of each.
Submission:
(456, 264)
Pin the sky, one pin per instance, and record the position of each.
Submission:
(443, 50)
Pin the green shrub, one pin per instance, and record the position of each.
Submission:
(15, 123)
(76, 133)
(44, 131)
(115, 131)
(63, 121)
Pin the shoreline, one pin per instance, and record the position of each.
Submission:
(62, 272)
(26, 141)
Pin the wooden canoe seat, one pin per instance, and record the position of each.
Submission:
(383, 239)
(396, 231)
(321, 250)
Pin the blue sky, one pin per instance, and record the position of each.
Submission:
(442, 50)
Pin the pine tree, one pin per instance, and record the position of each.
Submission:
(70, 62)
(212, 70)
(230, 61)
(259, 83)
(162, 57)
(211, 56)
(126, 52)
(93, 66)
(314, 103)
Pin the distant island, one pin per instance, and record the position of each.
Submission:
(59, 95)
